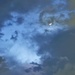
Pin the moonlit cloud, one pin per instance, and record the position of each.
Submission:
(23, 49)
(30, 43)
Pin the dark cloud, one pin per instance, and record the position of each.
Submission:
(61, 47)
(64, 45)
(67, 70)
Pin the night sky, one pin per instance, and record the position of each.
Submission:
(37, 37)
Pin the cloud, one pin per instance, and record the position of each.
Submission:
(69, 69)
(31, 41)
